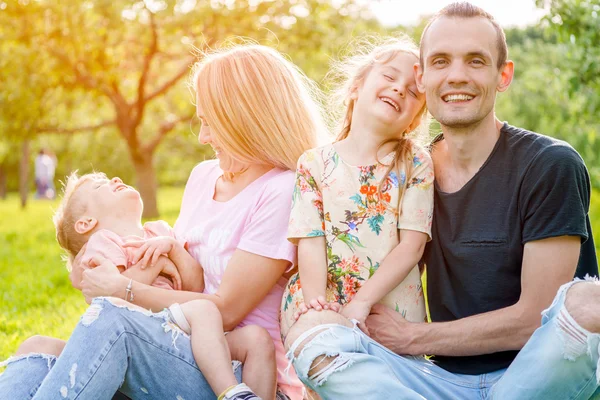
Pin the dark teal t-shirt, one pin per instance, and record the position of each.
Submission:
(531, 187)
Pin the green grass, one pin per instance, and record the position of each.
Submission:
(36, 296)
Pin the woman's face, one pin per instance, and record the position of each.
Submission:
(226, 162)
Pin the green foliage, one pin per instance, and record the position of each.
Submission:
(539, 98)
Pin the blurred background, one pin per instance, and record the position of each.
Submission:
(103, 85)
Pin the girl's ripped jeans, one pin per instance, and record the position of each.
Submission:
(560, 361)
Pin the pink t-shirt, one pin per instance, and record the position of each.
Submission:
(256, 221)
(109, 245)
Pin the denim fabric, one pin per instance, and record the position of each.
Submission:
(143, 355)
(552, 365)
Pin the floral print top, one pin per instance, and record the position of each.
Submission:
(360, 217)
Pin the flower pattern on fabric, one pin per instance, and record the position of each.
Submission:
(359, 210)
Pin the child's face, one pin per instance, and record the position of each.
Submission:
(389, 93)
(110, 198)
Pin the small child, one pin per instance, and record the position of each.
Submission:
(363, 206)
(102, 218)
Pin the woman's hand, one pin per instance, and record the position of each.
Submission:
(150, 249)
(357, 310)
(102, 279)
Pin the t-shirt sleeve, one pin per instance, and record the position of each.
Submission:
(555, 195)
(416, 209)
(265, 231)
(104, 244)
(306, 218)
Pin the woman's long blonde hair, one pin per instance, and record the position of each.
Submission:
(260, 106)
(348, 74)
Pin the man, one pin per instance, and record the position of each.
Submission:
(504, 240)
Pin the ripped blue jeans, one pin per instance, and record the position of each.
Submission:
(140, 354)
(560, 361)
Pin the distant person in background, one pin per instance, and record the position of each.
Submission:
(45, 166)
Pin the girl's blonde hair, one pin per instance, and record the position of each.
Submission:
(261, 108)
(348, 74)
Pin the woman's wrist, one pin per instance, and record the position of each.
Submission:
(120, 288)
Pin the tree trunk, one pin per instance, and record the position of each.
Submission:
(24, 173)
(2, 182)
(146, 184)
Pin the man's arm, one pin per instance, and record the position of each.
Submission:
(547, 264)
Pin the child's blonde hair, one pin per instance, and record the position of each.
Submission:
(348, 74)
(260, 106)
(69, 211)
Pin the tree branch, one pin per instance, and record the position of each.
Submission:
(76, 130)
(165, 127)
(170, 83)
(152, 50)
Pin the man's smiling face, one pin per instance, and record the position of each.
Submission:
(460, 75)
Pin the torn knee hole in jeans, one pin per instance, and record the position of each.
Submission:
(576, 340)
(324, 365)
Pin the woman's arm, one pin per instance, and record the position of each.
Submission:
(246, 273)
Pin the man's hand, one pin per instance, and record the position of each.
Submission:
(358, 310)
(390, 329)
(102, 279)
(149, 250)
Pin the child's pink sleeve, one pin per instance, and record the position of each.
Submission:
(162, 228)
(104, 244)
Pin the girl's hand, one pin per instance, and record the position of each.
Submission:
(317, 304)
(149, 250)
(359, 311)
(102, 279)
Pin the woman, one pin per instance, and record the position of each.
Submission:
(258, 115)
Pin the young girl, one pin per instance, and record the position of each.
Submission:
(101, 219)
(362, 206)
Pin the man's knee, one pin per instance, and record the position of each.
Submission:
(41, 344)
(582, 301)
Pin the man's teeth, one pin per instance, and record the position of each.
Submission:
(391, 103)
(457, 97)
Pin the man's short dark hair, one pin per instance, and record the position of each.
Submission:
(465, 9)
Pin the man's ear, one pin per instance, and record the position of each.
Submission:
(418, 70)
(506, 75)
(85, 225)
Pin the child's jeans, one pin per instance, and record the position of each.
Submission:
(553, 364)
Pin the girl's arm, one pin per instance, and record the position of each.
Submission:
(312, 266)
(246, 273)
(394, 268)
(392, 271)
